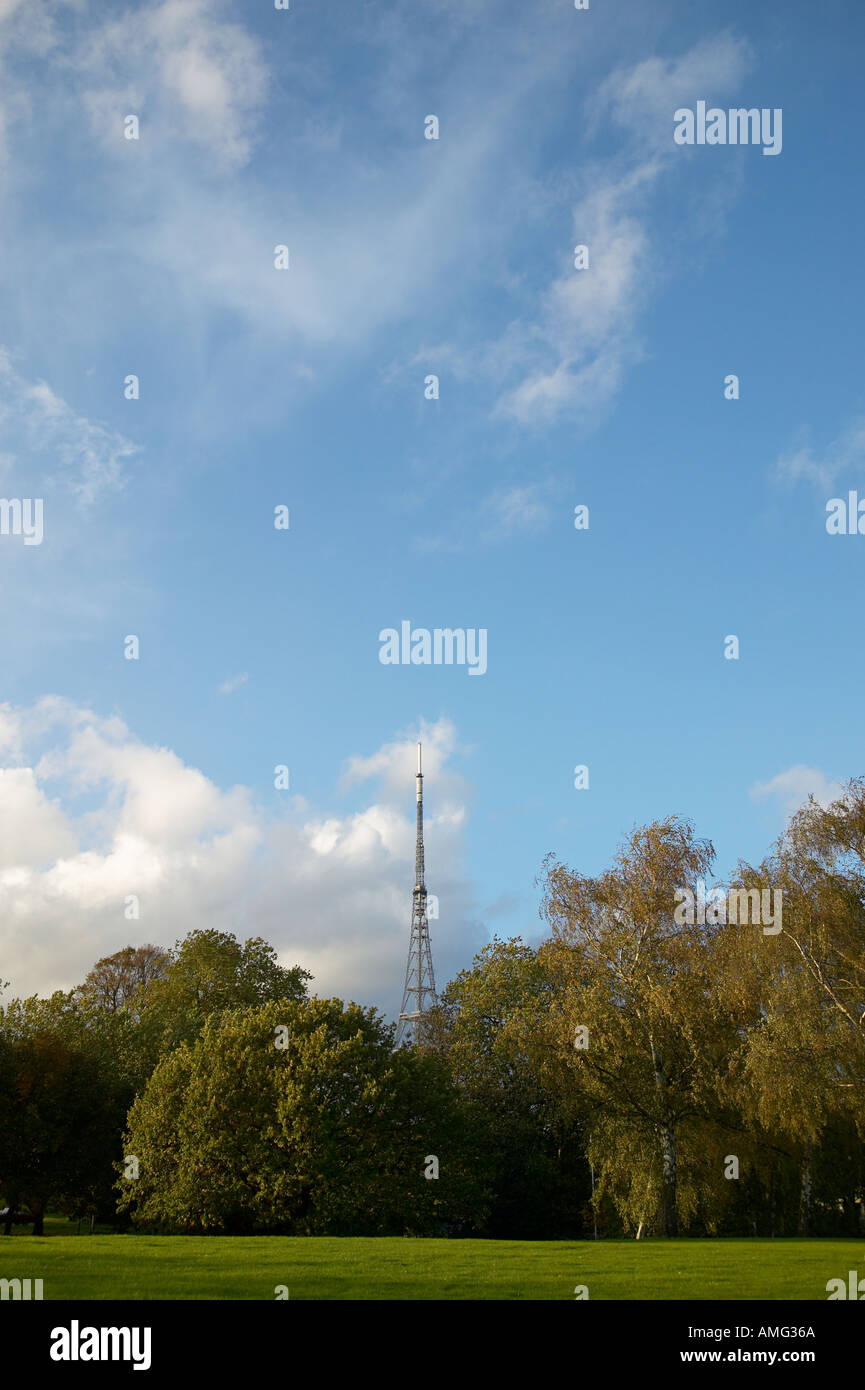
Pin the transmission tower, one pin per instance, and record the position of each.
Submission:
(420, 985)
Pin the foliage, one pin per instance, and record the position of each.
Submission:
(630, 1050)
(329, 1133)
(531, 1143)
(64, 1098)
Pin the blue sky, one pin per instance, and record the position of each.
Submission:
(305, 387)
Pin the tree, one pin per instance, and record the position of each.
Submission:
(532, 1140)
(115, 982)
(800, 1065)
(207, 973)
(72, 1064)
(64, 1099)
(299, 1116)
(637, 1026)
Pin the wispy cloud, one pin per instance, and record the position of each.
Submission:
(183, 69)
(823, 468)
(792, 788)
(642, 99)
(573, 352)
(516, 509)
(28, 27)
(507, 512)
(200, 84)
(233, 683)
(79, 456)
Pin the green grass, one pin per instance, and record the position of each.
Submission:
(239, 1267)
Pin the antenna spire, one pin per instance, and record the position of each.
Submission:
(420, 986)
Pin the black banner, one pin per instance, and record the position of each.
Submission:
(152, 1338)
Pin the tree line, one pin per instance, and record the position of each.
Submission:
(641, 1070)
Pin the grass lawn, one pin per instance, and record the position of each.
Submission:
(240, 1267)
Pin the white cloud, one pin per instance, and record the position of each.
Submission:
(515, 509)
(233, 683)
(90, 815)
(792, 788)
(183, 70)
(374, 223)
(395, 764)
(34, 418)
(576, 349)
(845, 453)
(31, 24)
(33, 829)
(573, 352)
(643, 98)
(373, 235)
(29, 27)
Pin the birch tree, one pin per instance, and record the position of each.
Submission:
(637, 1026)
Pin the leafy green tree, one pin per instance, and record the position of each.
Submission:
(299, 1116)
(531, 1139)
(72, 1064)
(207, 973)
(64, 1101)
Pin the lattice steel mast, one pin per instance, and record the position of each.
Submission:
(420, 985)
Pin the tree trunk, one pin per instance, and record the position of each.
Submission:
(12, 1200)
(805, 1203)
(669, 1218)
(39, 1220)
